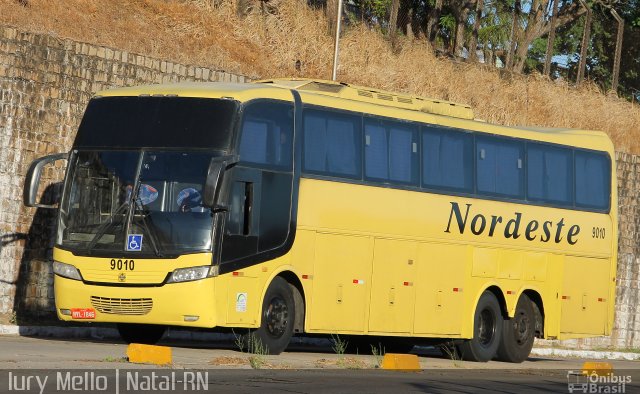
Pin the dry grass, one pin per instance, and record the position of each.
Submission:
(225, 361)
(342, 362)
(264, 46)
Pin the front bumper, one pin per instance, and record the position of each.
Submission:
(171, 304)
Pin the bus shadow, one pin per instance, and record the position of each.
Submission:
(33, 301)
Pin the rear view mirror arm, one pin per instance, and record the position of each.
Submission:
(32, 180)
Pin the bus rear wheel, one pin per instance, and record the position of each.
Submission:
(147, 334)
(518, 333)
(487, 330)
(277, 320)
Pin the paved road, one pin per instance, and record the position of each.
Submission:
(303, 369)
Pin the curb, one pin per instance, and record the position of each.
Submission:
(585, 354)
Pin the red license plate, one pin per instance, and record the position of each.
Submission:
(83, 313)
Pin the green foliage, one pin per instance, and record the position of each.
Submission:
(378, 354)
(339, 345)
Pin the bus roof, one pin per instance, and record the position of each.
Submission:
(375, 96)
(367, 100)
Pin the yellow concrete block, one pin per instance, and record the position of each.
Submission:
(599, 368)
(404, 362)
(149, 354)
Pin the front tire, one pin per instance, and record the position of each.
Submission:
(487, 330)
(147, 334)
(518, 333)
(277, 320)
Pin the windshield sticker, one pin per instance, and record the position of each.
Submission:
(147, 194)
(189, 198)
(134, 242)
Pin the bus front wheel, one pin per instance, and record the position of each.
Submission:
(147, 334)
(487, 330)
(277, 320)
(518, 333)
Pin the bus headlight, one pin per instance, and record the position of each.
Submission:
(191, 274)
(66, 270)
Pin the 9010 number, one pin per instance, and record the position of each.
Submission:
(127, 265)
(598, 232)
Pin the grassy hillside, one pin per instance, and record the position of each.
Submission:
(265, 46)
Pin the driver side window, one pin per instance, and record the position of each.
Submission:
(259, 215)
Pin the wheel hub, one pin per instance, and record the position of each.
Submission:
(277, 317)
(521, 329)
(486, 327)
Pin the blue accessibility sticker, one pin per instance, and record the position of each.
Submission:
(134, 242)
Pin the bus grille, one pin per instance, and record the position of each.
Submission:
(122, 306)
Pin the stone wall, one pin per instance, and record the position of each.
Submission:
(626, 327)
(45, 84)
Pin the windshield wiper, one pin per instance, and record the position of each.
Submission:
(152, 236)
(102, 229)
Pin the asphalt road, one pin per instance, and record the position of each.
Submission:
(100, 366)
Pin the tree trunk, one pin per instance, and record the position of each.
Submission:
(515, 28)
(331, 12)
(458, 46)
(433, 21)
(535, 22)
(551, 39)
(393, 21)
(473, 43)
(586, 37)
(537, 26)
(616, 60)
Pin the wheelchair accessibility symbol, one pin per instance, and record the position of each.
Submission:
(134, 242)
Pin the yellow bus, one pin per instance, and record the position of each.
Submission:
(301, 206)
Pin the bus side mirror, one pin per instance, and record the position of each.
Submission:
(213, 184)
(32, 180)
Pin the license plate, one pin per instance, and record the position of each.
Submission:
(83, 313)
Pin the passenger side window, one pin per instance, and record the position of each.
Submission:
(391, 151)
(592, 180)
(332, 144)
(267, 134)
(500, 167)
(447, 159)
(549, 174)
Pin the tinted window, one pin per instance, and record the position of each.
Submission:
(332, 143)
(447, 159)
(592, 180)
(156, 122)
(391, 151)
(549, 174)
(500, 167)
(267, 133)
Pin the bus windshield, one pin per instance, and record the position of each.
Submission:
(154, 196)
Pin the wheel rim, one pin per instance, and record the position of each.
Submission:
(486, 327)
(277, 317)
(521, 328)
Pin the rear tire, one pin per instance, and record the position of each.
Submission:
(147, 334)
(487, 330)
(518, 333)
(277, 320)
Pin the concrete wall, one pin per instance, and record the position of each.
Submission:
(45, 83)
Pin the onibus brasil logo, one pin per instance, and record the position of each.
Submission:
(593, 382)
